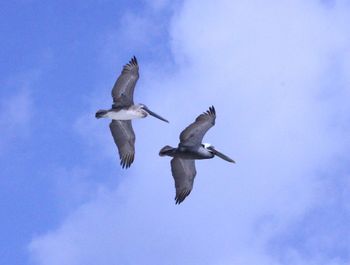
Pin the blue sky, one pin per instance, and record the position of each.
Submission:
(277, 73)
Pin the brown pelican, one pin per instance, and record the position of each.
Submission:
(190, 148)
(123, 111)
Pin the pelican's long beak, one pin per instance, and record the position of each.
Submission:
(221, 155)
(154, 114)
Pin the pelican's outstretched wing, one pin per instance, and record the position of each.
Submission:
(124, 138)
(123, 89)
(183, 171)
(194, 133)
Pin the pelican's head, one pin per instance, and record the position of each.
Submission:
(141, 110)
(146, 111)
(212, 150)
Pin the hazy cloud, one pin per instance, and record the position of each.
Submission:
(16, 107)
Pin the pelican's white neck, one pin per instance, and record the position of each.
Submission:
(206, 145)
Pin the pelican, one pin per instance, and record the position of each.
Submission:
(123, 111)
(189, 149)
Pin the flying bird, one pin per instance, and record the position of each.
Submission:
(124, 110)
(189, 149)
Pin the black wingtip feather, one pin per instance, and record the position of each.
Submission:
(179, 198)
(133, 60)
(126, 161)
(131, 64)
(211, 111)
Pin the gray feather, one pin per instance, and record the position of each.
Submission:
(123, 89)
(194, 133)
(184, 172)
(124, 138)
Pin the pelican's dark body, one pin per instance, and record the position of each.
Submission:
(191, 152)
(190, 148)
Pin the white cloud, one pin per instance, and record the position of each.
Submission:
(16, 109)
(267, 67)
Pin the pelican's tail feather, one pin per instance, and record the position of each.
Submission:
(101, 113)
(167, 151)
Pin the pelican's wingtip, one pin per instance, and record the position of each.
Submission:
(133, 60)
(211, 111)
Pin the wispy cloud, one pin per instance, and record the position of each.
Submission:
(269, 70)
(16, 107)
